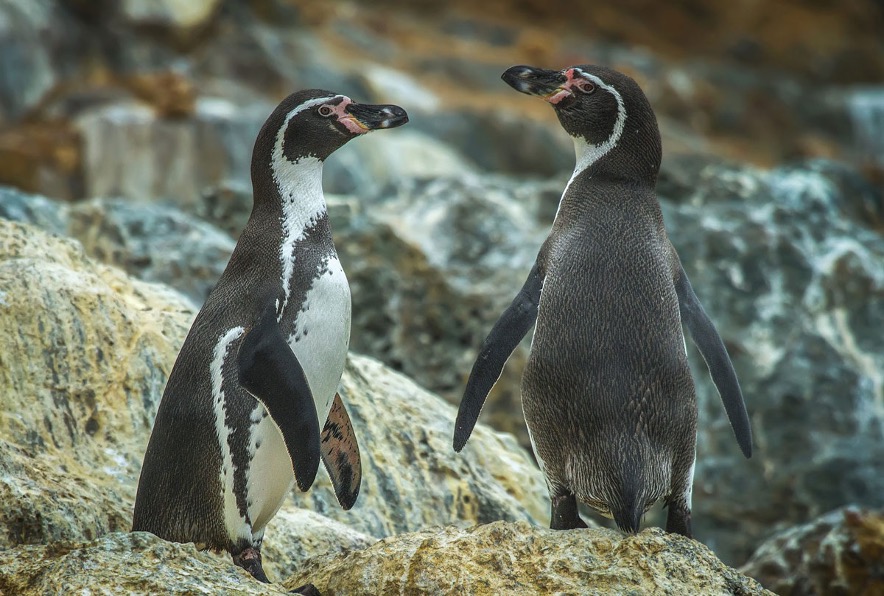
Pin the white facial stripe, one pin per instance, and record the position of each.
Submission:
(587, 153)
(300, 188)
(235, 523)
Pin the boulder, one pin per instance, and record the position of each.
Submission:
(789, 266)
(156, 243)
(516, 558)
(84, 354)
(841, 552)
(122, 563)
(130, 151)
(411, 477)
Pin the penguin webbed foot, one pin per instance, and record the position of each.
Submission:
(306, 590)
(250, 560)
(678, 520)
(564, 514)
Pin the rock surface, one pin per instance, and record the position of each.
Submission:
(841, 552)
(411, 477)
(516, 558)
(122, 563)
(84, 355)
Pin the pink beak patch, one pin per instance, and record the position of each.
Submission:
(564, 90)
(348, 120)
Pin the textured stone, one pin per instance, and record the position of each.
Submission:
(295, 535)
(122, 563)
(33, 209)
(431, 266)
(841, 552)
(84, 354)
(788, 267)
(411, 477)
(516, 558)
(154, 243)
(129, 151)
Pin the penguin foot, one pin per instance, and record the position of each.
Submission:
(678, 520)
(250, 560)
(307, 590)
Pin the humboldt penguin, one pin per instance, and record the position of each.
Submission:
(239, 421)
(607, 394)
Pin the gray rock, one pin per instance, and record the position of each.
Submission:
(154, 243)
(795, 285)
(131, 152)
(25, 58)
(33, 209)
(837, 553)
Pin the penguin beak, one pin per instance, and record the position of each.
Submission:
(551, 85)
(363, 118)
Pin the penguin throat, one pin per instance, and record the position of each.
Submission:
(588, 153)
(299, 185)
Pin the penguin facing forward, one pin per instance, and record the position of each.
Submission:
(607, 394)
(239, 421)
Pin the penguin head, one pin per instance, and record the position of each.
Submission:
(315, 123)
(602, 107)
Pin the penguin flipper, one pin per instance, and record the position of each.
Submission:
(506, 334)
(340, 454)
(721, 368)
(270, 371)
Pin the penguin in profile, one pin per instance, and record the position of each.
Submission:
(239, 421)
(607, 394)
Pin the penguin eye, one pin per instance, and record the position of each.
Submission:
(585, 86)
(326, 111)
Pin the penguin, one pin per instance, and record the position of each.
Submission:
(607, 395)
(239, 420)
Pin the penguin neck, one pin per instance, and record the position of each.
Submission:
(298, 186)
(600, 166)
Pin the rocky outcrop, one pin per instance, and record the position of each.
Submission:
(84, 355)
(787, 264)
(411, 478)
(85, 351)
(153, 242)
(122, 563)
(516, 558)
(841, 552)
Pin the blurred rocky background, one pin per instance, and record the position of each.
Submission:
(127, 127)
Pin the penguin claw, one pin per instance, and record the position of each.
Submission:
(307, 590)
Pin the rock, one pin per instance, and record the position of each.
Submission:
(131, 152)
(122, 563)
(33, 209)
(841, 552)
(432, 266)
(296, 535)
(25, 58)
(382, 162)
(787, 265)
(178, 20)
(154, 243)
(84, 354)
(511, 558)
(411, 477)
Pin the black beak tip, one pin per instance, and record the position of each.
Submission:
(396, 116)
(521, 78)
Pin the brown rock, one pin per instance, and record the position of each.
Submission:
(518, 558)
(120, 563)
(841, 552)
